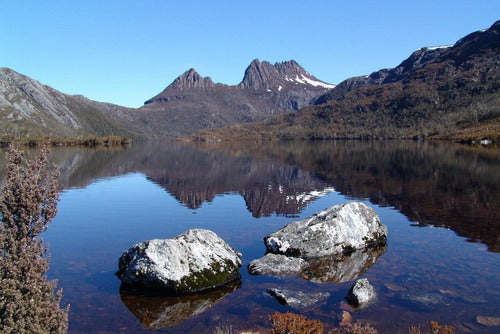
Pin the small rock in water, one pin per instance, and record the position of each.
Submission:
(361, 294)
(194, 261)
(474, 299)
(394, 287)
(488, 321)
(277, 265)
(346, 319)
(298, 299)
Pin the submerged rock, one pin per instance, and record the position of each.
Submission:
(361, 294)
(425, 301)
(157, 312)
(277, 265)
(194, 261)
(339, 229)
(488, 321)
(298, 299)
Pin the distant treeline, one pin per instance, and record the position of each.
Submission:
(89, 142)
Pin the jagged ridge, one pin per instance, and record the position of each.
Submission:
(449, 92)
(191, 102)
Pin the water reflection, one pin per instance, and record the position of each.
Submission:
(440, 184)
(432, 183)
(156, 312)
(344, 268)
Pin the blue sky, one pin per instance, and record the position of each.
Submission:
(125, 52)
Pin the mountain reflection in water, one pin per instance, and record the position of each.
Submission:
(432, 183)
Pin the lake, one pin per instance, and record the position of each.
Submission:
(440, 201)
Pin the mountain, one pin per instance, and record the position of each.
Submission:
(192, 102)
(29, 109)
(449, 92)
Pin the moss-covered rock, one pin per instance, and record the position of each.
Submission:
(194, 261)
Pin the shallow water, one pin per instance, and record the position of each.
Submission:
(440, 201)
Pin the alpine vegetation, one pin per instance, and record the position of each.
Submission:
(28, 301)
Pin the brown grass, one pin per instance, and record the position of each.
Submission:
(434, 328)
(291, 323)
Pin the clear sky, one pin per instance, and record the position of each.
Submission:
(125, 52)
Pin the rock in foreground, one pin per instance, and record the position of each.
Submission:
(361, 294)
(341, 228)
(277, 265)
(298, 299)
(194, 261)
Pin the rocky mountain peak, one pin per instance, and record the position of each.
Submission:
(258, 75)
(191, 79)
(264, 75)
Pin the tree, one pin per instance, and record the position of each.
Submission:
(28, 301)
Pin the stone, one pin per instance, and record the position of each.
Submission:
(346, 319)
(394, 287)
(425, 301)
(488, 321)
(361, 294)
(194, 261)
(277, 265)
(341, 228)
(474, 299)
(298, 299)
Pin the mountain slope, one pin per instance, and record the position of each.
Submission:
(29, 109)
(440, 92)
(192, 102)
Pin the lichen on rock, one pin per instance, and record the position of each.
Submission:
(361, 294)
(335, 245)
(341, 228)
(194, 261)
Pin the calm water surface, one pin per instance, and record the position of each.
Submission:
(440, 201)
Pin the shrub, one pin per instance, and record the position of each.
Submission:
(291, 323)
(434, 328)
(356, 328)
(28, 302)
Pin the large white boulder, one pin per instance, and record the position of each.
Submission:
(194, 261)
(339, 229)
